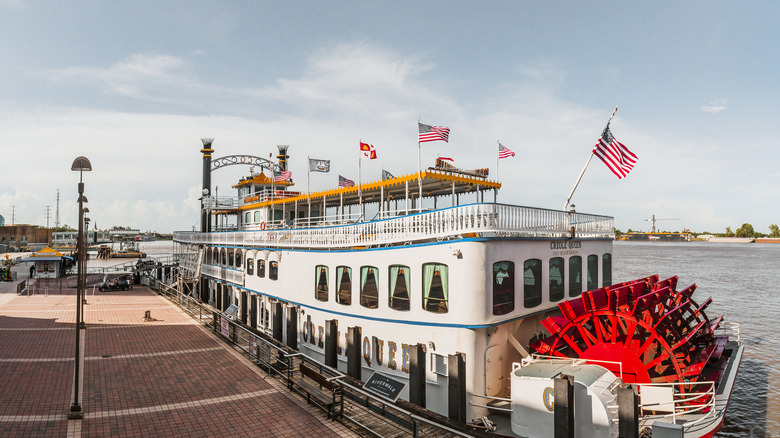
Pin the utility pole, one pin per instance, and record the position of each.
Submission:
(13, 214)
(48, 215)
(57, 211)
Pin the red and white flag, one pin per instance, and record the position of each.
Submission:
(614, 154)
(504, 152)
(432, 133)
(368, 150)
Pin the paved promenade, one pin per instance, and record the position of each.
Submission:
(169, 377)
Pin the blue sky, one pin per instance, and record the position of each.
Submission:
(135, 85)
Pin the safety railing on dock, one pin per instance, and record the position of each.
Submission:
(355, 405)
(472, 220)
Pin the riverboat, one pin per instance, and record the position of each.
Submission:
(503, 298)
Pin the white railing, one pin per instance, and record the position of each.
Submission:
(691, 400)
(474, 220)
(224, 273)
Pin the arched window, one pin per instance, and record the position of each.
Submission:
(399, 277)
(321, 282)
(250, 267)
(435, 288)
(257, 217)
(606, 270)
(532, 283)
(273, 270)
(344, 284)
(369, 294)
(231, 258)
(593, 272)
(575, 276)
(239, 257)
(503, 287)
(248, 217)
(261, 268)
(557, 276)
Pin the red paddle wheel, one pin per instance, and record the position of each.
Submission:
(643, 331)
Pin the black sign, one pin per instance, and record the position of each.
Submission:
(384, 386)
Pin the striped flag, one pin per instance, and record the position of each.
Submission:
(614, 154)
(368, 150)
(504, 152)
(432, 133)
(344, 182)
(283, 175)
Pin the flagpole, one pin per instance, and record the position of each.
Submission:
(498, 151)
(419, 167)
(566, 205)
(360, 178)
(308, 188)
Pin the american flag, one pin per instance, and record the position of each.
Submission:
(344, 182)
(283, 175)
(432, 133)
(504, 152)
(368, 150)
(614, 154)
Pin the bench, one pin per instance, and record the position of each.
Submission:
(319, 390)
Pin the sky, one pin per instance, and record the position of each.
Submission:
(134, 86)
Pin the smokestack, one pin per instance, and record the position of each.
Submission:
(282, 157)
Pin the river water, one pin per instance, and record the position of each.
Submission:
(741, 279)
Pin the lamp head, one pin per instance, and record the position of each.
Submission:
(81, 164)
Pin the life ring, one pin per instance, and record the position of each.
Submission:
(262, 226)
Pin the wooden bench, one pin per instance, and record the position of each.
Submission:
(319, 390)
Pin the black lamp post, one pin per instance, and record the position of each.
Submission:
(80, 164)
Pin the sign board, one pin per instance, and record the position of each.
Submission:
(384, 386)
(225, 327)
(231, 311)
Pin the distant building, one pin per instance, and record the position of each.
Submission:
(19, 237)
(68, 238)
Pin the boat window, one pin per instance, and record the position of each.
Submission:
(248, 217)
(261, 268)
(606, 270)
(321, 281)
(503, 287)
(435, 288)
(557, 275)
(250, 267)
(400, 278)
(532, 283)
(369, 294)
(273, 270)
(231, 258)
(239, 258)
(575, 276)
(257, 217)
(344, 282)
(593, 272)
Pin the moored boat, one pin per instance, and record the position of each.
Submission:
(512, 296)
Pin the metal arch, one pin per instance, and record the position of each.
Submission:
(249, 160)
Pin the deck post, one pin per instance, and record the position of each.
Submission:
(417, 375)
(278, 311)
(292, 327)
(628, 411)
(331, 343)
(563, 415)
(456, 387)
(354, 338)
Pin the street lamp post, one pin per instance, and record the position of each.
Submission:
(80, 164)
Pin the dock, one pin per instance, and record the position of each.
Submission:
(167, 376)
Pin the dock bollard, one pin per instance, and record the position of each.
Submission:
(148, 316)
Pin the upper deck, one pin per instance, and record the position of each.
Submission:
(486, 220)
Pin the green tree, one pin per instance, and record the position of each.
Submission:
(746, 230)
(729, 233)
(774, 230)
(618, 233)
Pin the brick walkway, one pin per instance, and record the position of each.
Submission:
(169, 377)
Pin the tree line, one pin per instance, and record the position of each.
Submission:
(746, 230)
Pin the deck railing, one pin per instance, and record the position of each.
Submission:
(485, 220)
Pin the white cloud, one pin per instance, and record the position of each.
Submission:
(715, 106)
